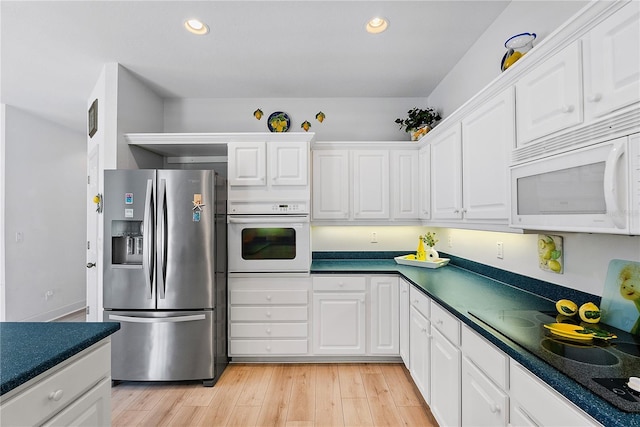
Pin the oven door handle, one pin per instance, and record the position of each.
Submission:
(289, 219)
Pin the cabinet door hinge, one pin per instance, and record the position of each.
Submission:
(88, 244)
(88, 309)
(88, 179)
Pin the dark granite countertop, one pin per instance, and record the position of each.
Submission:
(464, 286)
(27, 349)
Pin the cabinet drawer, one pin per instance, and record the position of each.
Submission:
(268, 314)
(446, 323)
(339, 283)
(493, 362)
(420, 301)
(268, 330)
(541, 403)
(275, 297)
(267, 347)
(38, 403)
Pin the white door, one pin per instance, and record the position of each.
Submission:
(247, 163)
(370, 184)
(445, 380)
(93, 177)
(405, 194)
(404, 323)
(385, 318)
(612, 62)
(330, 184)
(288, 163)
(339, 323)
(483, 404)
(446, 175)
(424, 164)
(550, 96)
(488, 136)
(420, 352)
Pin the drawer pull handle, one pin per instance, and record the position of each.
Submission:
(56, 395)
(439, 322)
(268, 348)
(268, 330)
(268, 314)
(567, 108)
(268, 297)
(494, 408)
(424, 329)
(594, 98)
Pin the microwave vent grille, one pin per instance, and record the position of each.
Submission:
(621, 124)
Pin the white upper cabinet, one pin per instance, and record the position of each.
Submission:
(288, 163)
(365, 184)
(488, 136)
(550, 96)
(405, 194)
(370, 184)
(612, 62)
(446, 175)
(424, 163)
(247, 163)
(331, 184)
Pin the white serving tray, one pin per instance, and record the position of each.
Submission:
(441, 262)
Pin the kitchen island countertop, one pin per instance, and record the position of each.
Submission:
(460, 290)
(28, 349)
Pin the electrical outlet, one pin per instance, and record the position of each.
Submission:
(374, 237)
(499, 250)
(48, 295)
(450, 241)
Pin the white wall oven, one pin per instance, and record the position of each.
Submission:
(595, 189)
(277, 240)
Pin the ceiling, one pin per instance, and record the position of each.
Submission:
(52, 52)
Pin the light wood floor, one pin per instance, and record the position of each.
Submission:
(290, 395)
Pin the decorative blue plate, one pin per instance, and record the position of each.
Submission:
(279, 122)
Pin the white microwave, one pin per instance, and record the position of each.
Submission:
(595, 189)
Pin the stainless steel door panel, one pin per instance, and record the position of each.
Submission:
(162, 346)
(129, 286)
(185, 243)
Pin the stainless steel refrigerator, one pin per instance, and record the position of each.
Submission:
(165, 274)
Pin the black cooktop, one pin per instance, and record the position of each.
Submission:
(604, 367)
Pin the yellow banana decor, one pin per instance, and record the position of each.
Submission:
(320, 116)
(306, 125)
(258, 114)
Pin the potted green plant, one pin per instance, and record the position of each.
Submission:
(419, 121)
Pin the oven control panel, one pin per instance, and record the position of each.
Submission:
(267, 208)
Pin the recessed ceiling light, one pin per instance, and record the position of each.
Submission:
(196, 26)
(377, 25)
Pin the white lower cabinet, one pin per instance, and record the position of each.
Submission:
(445, 380)
(339, 323)
(404, 305)
(483, 403)
(384, 336)
(535, 403)
(77, 394)
(420, 342)
(269, 316)
(420, 351)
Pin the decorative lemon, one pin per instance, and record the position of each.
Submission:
(554, 265)
(566, 307)
(589, 312)
(410, 256)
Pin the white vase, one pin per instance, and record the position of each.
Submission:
(432, 254)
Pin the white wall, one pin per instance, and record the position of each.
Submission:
(45, 206)
(2, 222)
(359, 119)
(481, 64)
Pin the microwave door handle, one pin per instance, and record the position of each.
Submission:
(610, 194)
(162, 237)
(148, 261)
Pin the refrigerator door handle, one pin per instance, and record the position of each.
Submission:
(148, 261)
(174, 319)
(162, 237)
